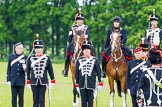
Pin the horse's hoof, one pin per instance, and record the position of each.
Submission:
(74, 104)
(65, 73)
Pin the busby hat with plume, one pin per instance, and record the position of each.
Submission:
(38, 43)
(153, 16)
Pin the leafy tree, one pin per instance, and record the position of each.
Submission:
(21, 20)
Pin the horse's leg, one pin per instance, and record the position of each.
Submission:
(72, 67)
(123, 91)
(112, 92)
(74, 97)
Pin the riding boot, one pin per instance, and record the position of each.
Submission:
(127, 53)
(103, 73)
(66, 69)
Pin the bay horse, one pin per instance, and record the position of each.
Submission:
(116, 69)
(78, 40)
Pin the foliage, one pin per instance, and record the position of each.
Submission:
(20, 20)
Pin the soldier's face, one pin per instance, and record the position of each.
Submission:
(80, 22)
(87, 52)
(144, 53)
(19, 49)
(138, 55)
(116, 24)
(38, 50)
(154, 23)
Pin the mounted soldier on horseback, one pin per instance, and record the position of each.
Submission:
(106, 54)
(76, 29)
(153, 35)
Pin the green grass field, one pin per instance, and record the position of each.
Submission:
(61, 93)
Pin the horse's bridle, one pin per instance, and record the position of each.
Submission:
(116, 59)
(113, 54)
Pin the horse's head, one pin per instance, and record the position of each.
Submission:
(115, 41)
(78, 40)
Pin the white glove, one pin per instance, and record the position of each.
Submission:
(50, 85)
(128, 90)
(100, 85)
(29, 86)
(24, 66)
(77, 88)
(9, 83)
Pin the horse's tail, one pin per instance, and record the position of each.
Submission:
(118, 87)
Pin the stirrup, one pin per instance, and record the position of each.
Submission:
(65, 73)
(103, 74)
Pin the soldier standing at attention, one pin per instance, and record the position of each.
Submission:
(87, 68)
(16, 75)
(133, 75)
(38, 65)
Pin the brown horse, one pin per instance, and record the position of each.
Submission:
(116, 69)
(78, 40)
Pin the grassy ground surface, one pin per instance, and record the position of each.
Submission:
(61, 93)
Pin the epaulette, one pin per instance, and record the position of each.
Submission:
(75, 26)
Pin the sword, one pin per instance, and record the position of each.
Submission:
(49, 97)
(96, 92)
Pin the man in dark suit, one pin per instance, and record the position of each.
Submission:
(38, 65)
(16, 74)
(87, 68)
(133, 75)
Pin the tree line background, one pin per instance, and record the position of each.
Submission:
(21, 20)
